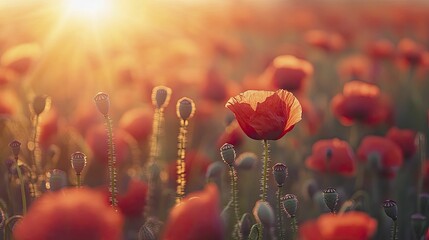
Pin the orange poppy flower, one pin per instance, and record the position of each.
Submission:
(70, 214)
(289, 73)
(196, 217)
(341, 161)
(350, 226)
(265, 115)
(360, 102)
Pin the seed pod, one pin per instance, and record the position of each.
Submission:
(146, 233)
(418, 222)
(391, 209)
(161, 96)
(245, 225)
(264, 214)
(185, 108)
(57, 180)
(16, 148)
(214, 170)
(280, 173)
(228, 153)
(246, 161)
(102, 102)
(40, 102)
(290, 204)
(78, 162)
(330, 196)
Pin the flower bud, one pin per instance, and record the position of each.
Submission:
(290, 204)
(161, 96)
(228, 153)
(245, 225)
(310, 188)
(214, 170)
(264, 214)
(418, 223)
(185, 108)
(330, 196)
(102, 102)
(16, 148)
(280, 173)
(246, 161)
(391, 209)
(57, 180)
(40, 102)
(78, 162)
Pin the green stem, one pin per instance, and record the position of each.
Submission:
(23, 195)
(181, 173)
(279, 213)
(35, 145)
(234, 191)
(112, 163)
(422, 153)
(395, 230)
(265, 171)
(7, 230)
(78, 180)
(294, 226)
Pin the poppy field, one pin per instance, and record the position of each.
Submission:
(214, 120)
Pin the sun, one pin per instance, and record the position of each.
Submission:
(93, 9)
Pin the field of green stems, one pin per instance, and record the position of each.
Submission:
(214, 120)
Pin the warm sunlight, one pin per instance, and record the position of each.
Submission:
(94, 9)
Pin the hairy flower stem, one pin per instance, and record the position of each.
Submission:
(279, 214)
(181, 181)
(264, 181)
(35, 143)
(395, 230)
(23, 195)
(78, 181)
(294, 227)
(112, 162)
(234, 193)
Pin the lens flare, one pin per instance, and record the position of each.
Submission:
(94, 9)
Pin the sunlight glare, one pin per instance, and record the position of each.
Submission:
(95, 9)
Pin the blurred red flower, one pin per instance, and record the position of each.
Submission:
(232, 135)
(410, 51)
(356, 67)
(138, 123)
(195, 168)
(68, 215)
(96, 138)
(265, 115)
(133, 201)
(405, 139)
(214, 87)
(9, 103)
(311, 116)
(85, 117)
(360, 102)
(350, 226)
(196, 217)
(289, 73)
(48, 127)
(342, 160)
(20, 58)
(6, 76)
(380, 49)
(383, 150)
(330, 42)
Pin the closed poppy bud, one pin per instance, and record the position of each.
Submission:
(102, 102)
(228, 153)
(418, 222)
(391, 209)
(16, 148)
(39, 104)
(280, 173)
(264, 213)
(424, 202)
(246, 161)
(185, 108)
(245, 225)
(161, 96)
(214, 170)
(330, 196)
(290, 204)
(78, 162)
(57, 180)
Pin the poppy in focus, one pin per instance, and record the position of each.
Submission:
(265, 115)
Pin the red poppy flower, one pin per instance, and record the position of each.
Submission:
(388, 153)
(340, 161)
(405, 139)
(360, 102)
(68, 215)
(357, 67)
(265, 115)
(48, 128)
(138, 123)
(380, 49)
(350, 226)
(85, 117)
(330, 42)
(410, 51)
(232, 135)
(96, 138)
(196, 217)
(289, 73)
(133, 201)
(214, 87)
(311, 116)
